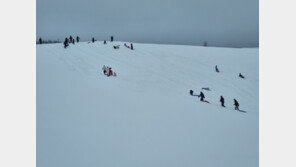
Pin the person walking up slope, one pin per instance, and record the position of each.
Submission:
(202, 96)
(222, 101)
(236, 104)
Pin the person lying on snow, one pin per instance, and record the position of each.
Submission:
(240, 75)
(216, 68)
(126, 45)
(202, 96)
(222, 101)
(116, 47)
(236, 104)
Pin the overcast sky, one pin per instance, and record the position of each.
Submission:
(219, 22)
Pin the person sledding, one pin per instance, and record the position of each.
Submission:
(126, 45)
(222, 101)
(191, 92)
(216, 68)
(236, 104)
(110, 72)
(104, 69)
(116, 46)
(66, 43)
(202, 96)
(241, 76)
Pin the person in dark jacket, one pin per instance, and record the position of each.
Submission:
(132, 47)
(93, 40)
(191, 92)
(70, 39)
(216, 68)
(73, 41)
(111, 38)
(40, 41)
(236, 104)
(77, 39)
(202, 96)
(105, 42)
(66, 42)
(222, 101)
(241, 76)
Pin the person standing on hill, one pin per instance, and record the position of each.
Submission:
(191, 92)
(202, 96)
(216, 68)
(40, 41)
(236, 104)
(93, 39)
(66, 42)
(77, 39)
(70, 39)
(73, 41)
(105, 42)
(111, 38)
(222, 101)
(132, 47)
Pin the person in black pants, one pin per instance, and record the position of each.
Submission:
(222, 101)
(202, 96)
(40, 41)
(236, 104)
(111, 38)
(241, 76)
(191, 92)
(77, 39)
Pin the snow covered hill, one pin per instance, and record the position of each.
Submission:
(145, 116)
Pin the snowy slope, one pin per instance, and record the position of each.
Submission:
(145, 116)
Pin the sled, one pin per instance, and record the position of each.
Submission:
(242, 111)
(208, 89)
(207, 101)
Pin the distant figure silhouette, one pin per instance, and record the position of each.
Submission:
(240, 75)
(216, 68)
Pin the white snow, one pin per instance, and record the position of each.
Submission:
(145, 117)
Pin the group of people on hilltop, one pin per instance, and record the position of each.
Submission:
(70, 40)
(108, 71)
(222, 101)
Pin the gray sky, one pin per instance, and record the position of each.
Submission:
(232, 23)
